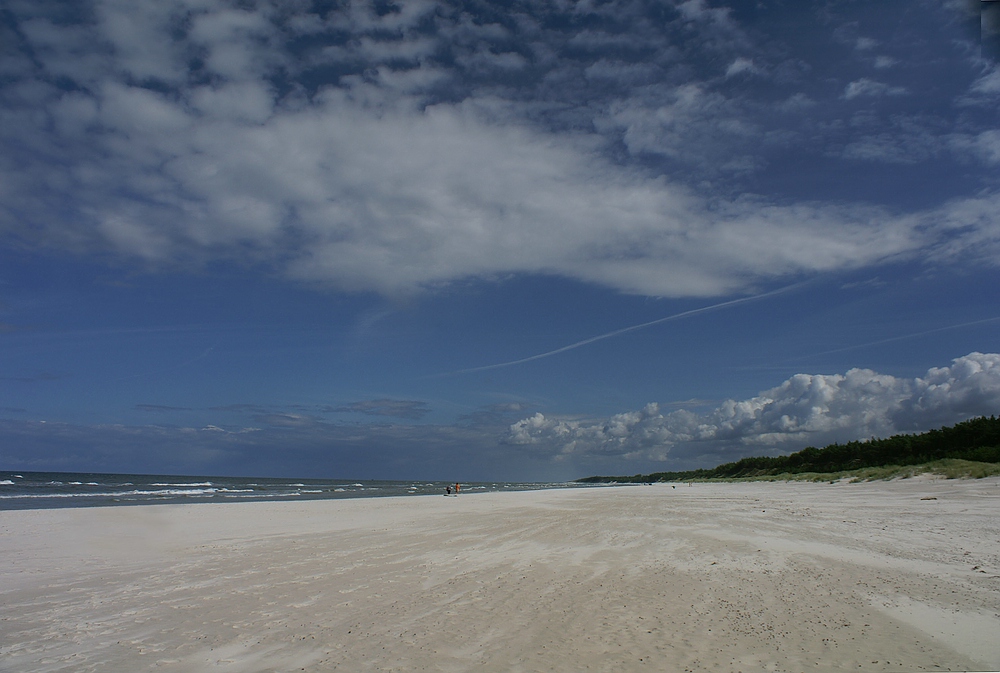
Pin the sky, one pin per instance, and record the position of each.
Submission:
(491, 241)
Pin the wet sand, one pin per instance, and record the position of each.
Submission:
(719, 577)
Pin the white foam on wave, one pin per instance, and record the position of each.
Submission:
(199, 483)
(174, 491)
(312, 491)
(115, 494)
(262, 496)
(6, 482)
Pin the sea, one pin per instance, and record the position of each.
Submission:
(45, 490)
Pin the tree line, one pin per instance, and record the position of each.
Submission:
(977, 439)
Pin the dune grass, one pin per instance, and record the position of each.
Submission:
(948, 468)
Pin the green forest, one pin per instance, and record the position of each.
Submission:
(971, 448)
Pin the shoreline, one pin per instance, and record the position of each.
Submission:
(51, 490)
(870, 576)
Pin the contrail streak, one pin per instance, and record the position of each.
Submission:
(901, 338)
(191, 361)
(633, 328)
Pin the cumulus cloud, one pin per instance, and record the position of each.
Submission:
(806, 409)
(415, 147)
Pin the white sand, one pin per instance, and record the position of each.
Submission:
(735, 577)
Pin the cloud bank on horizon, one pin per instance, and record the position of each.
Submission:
(805, 410)
(394, 148)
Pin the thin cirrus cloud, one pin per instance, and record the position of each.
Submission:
(806, 409)
(446, 146)
(160, 408)
(407, 409)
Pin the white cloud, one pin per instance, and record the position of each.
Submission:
(689, 124)
(865, 44)
(988, 84)
(798, 102)
(598, 41)
(141, 113)
(806, 409)
(484, 60)
(981, 242)
(970, 387)
(741, 65)
(218, 141)
(246, 101)
(697, 10)
(870, 87)
(910, 147)
(632, 73)
(985, 146)
(142, 49)
(66, 51)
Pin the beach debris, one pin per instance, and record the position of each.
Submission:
(928, 497)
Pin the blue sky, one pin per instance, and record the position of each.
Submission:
(474, 240)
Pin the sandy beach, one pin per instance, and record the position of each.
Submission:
(897, 576)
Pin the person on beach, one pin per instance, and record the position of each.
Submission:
(458, 487)
(447, 490)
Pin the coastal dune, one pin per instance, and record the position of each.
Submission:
(890, 576)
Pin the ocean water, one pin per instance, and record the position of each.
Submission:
(43, 490)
